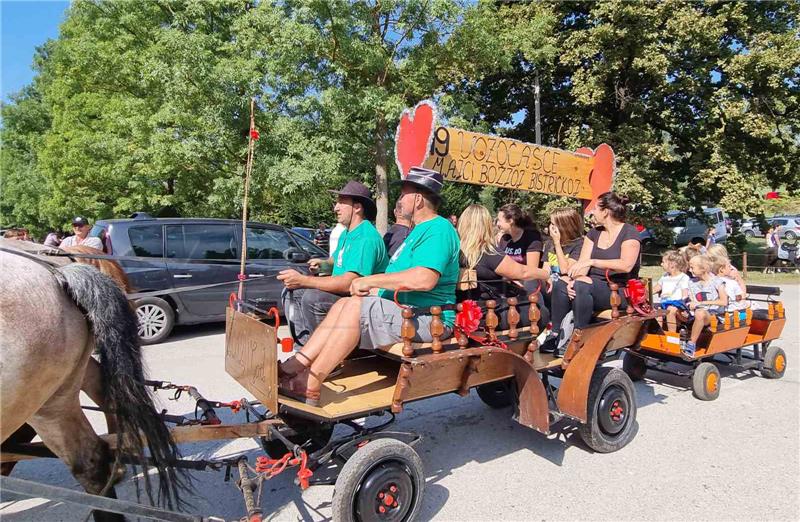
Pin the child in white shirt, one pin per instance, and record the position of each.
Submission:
(737, 299)
(673, 287)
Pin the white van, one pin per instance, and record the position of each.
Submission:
(688, 228)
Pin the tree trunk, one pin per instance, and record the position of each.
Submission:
(381, 176)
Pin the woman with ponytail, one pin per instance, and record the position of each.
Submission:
(613, 247)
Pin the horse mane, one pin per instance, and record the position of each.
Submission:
(107, 266)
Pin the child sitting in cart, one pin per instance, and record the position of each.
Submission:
(673, 287)
(708, 297)
(721, 252)
(737, 299)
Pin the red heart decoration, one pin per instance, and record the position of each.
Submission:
(602, 176)
(413, 137)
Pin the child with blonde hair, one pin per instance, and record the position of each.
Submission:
(722, 252)
(707, 297)
(673, 287)
(737, 298)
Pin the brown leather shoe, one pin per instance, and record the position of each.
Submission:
(296, 388)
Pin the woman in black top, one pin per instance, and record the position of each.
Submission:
(478, 253)
(519, 238)
(613, 245)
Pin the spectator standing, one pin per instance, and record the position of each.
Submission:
(81, 227)
(322, 236)
(773, 244)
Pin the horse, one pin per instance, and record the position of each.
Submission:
(51, 320)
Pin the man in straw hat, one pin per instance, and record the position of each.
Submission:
(424, 270)
(360, 252)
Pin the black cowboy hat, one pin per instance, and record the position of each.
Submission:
(359, 192)
(426, 179)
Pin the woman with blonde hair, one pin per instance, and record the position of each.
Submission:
(495, 273)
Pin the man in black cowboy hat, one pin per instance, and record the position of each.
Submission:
(359, 252)
(424, 271)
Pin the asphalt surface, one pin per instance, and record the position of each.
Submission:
(736, 458)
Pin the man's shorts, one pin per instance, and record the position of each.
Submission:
(381, 320)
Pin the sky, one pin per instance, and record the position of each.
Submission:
(24, 25)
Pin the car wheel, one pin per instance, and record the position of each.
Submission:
(791, 236)
(749, 234)
(156, 319)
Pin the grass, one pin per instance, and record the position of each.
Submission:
(756, 258)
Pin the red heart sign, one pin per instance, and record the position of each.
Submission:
(602, 175)
(413, 138)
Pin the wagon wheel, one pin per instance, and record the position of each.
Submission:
(774, 363)
(496, 395)
(382, 481)
(307, 433)
(706, 382)
(611, 411)
(635, 366)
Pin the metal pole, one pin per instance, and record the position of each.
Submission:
(538, 116)
(744, 265)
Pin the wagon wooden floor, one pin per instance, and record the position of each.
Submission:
(364, 386)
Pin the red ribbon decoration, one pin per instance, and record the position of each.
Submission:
(254, 134)
(469, 318)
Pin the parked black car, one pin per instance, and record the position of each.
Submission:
(169, 249)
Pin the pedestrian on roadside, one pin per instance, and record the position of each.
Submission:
(773, 244)
(81, 227)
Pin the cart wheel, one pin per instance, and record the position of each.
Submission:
(496, 395)
(611, 409)
(706, 382)
(382, 481)
(302, 431)
(774, 363)
(634, 366)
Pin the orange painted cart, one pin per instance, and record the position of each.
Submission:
(741, 344)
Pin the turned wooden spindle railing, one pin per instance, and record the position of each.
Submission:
(781, 312)
(726, 321)
(437, 329)
(513, 317)
(771, 311)
(748, 316)
(736, 318)
(533, 317)
(615, 300)
(461, 337)
(714, 323)
(407, 332)
(491, 319)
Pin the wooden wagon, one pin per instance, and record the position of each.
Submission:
(740, 343)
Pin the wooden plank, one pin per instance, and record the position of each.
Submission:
(251, 356)
(181, 435)
(364, 386)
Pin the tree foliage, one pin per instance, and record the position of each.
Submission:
(144, 105)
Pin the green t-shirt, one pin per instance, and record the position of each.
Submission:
(361, 251)
(433, 244)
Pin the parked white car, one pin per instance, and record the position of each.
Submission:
(688, 228)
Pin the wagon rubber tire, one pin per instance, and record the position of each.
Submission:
(774, 365)
(155, 318)
(635, 366)
(496, 395)
(384, 474)
(611, 411)
(316, 434)
(706, 382)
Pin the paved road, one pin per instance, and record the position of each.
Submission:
(737, 458)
